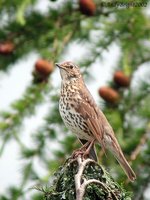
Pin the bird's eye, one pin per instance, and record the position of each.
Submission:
(71, 67)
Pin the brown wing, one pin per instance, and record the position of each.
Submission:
(90, 112)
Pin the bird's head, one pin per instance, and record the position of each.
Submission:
(69, 71)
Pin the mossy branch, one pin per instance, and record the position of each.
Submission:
(84, 179)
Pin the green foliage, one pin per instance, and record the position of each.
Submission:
(63, 186)
(11, 121)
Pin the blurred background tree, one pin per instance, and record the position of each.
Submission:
(95, 26)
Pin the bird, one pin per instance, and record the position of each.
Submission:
(82, 116)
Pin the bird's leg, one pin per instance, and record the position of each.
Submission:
(90, 145)
(84, 150)
(81, 150)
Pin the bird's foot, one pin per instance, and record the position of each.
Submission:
(81, 151)
(84, 151)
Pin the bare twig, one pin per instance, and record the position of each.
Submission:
(137, 150)
(81, 183)
(80, 187)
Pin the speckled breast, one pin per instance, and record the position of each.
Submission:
(73, 120)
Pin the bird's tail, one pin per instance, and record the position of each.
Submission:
(117, 152)
(126, 167)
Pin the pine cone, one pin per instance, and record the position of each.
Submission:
(121, 79)
(87, 7)
(44, 67)
(109, 95)
(42, 70)
(6, 48)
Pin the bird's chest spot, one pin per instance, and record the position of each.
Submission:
(71, 118)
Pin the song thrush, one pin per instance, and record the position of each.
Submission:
(83, 117)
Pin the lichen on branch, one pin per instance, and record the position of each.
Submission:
(84, 179)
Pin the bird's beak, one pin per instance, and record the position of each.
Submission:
(58, 65)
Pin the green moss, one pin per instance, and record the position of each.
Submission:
(63, 186)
